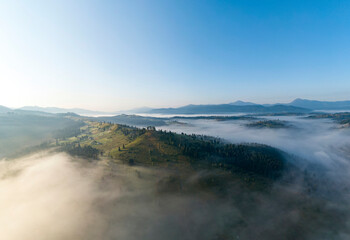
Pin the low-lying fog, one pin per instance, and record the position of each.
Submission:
(316, 140)
(159, 115)
(54, 196)
(316, 143)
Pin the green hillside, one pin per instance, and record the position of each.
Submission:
(149, 147)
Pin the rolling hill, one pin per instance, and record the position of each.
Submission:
(149, 147)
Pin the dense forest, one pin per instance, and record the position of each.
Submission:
(257, 158)
(77, 150)
(268, 124)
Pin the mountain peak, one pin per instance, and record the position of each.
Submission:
(300, 100)
(320, 105)
(242, 103)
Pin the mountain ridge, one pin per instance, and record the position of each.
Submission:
(321, 105)
(79, 111)
(298, 105)
(229, 108)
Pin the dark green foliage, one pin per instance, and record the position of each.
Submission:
(77, 150)
(131, 132)
(217, 118)
(131, 162)
(212, 152)
(268, 124)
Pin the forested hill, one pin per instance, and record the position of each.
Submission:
(24, 133)
(342, 118)
(166, 149)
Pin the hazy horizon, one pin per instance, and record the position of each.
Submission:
(111, 56)
(186, 119)
(165, 106)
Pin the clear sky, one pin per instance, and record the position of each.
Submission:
(111, 55)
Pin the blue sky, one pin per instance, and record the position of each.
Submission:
(111, 55)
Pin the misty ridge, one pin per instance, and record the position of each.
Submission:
(49, 194)
(174, 120)
(296, 106)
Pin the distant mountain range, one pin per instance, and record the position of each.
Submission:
(230, 108)
(81, 111)
(63, 110)
(51, 110)
(321, 105)
(296, 106)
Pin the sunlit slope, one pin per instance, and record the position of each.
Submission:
(166, 149)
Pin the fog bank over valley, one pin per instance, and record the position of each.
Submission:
(142, 190)
(316, 140)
